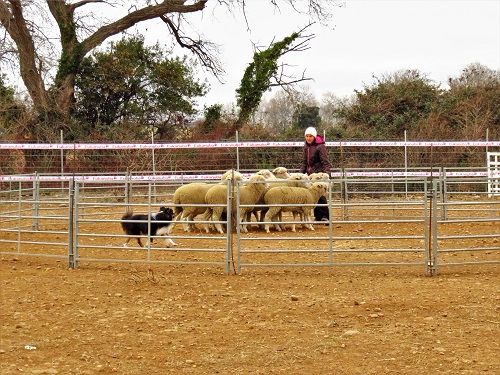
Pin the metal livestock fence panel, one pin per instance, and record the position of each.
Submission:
(79, 220)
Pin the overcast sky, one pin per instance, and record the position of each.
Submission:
(364, 38)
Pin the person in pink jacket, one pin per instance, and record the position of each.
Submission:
(316, 160)
(316, 157)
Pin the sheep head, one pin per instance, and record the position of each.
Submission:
(232, 175)
(281, 173)
(300, 179)
(320, 188)
(258, 179)
(266, 173)
(319, 176)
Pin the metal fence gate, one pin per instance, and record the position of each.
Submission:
(374, 222)
(493, 173)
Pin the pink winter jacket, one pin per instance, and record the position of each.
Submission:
(315, 157)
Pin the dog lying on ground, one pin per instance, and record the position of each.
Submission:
(136, 225)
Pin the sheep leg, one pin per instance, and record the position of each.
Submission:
(190, 225)
(302, 219)
(207, 217)
(185, 218)
(307, 219)
(263, 213)
(294, 214)
(175, 220)
(248, 218)
(281, 226)
(270, 216)
(216, 216)
(185, 226)
(192, 216)
(178, 218)
(245, 216)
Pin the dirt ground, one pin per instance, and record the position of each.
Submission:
(135, 318)
(130, 318)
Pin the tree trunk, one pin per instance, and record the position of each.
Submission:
(15, 24)
(59, 99)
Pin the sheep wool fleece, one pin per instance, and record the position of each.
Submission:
(315, 157)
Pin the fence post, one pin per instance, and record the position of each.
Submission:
(229, 227)
(330, 225)
(62, 159)
(238, 225)
(36, 202)
(443, 191)
(127, 190)
(149, 221)
(237, 152)
(343, 194)
(486, 148)
(19, 213)
(71, 249)
(406, 167)
(430, 222)
(154, 164)
(435, 229)
(76, 225)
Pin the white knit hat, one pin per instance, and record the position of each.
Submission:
(310, 130)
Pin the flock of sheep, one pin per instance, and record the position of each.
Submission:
(265, 195)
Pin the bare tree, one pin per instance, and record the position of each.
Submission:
(277, 112)
(25, 38)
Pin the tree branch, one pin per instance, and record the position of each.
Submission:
(82, 3)
(144, 14)
(203, 50)
(288, 81)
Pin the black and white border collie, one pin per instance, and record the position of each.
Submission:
(136, 225)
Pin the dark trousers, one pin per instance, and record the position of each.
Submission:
(321, 212)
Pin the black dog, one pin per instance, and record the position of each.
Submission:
(137, 225)
(322, 213)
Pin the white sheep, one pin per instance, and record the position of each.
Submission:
(319, 176)
(268, 175)
(216, 195)
(294, 180)
(302, 198)
(281, 172)
(321, 212)
(189, 199)
(216, 198)
(232, 174)
(251, 194)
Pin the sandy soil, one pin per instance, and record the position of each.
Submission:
(159, 319)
